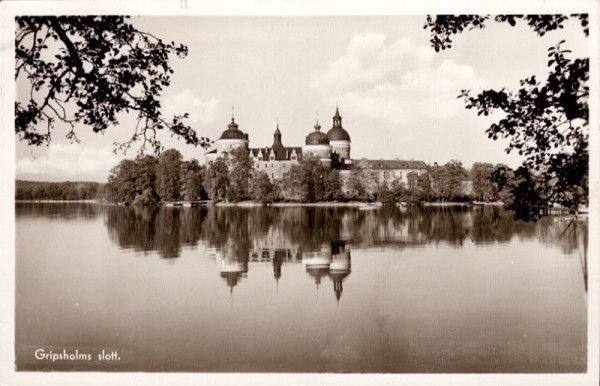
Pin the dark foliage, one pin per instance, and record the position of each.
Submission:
(35, 190)
(546, 121)
(89, 70)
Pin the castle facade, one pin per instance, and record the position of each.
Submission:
(331, 148)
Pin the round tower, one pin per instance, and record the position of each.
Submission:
(340, 267)
(339, 139)
(317, 145)
(231, 139)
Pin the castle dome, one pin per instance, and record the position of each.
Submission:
(233, 132)
(337, 132)
(317, 137)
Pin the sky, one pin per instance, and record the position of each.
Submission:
(397, 96)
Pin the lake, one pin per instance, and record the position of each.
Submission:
(298, 289)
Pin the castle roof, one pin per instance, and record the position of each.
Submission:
(338, 134)
(233, 132)
(317, 137)
(281, 153)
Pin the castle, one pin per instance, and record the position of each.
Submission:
(332, 148)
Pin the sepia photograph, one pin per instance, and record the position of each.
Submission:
(302, 192)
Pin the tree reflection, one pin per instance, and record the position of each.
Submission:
(58, 210)
(320, 237)
(149, 229)
(491, 224)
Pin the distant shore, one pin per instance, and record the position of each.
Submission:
(254, 204)
(295, 204)
(59, 201)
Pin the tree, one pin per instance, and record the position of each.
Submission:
(240, 169)
(36, 190)
(447, 180)
(358, 182)
(121, 187)
(545, 121)
(192, 180)
(288, 186)
(168, 175)
(483, 186)
(261, 187)
(399, 191)
(501, 176)
(217, 179)
(332, 185)
(385, 194)
(413, 193)
(424, 186)
(88, 71)
(133, 181)
(523, 196)
(312, 179)
(145, 174)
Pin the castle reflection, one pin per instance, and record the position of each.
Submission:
(331, 260)
(321, 239)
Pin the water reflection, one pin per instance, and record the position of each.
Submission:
(58, 210)
(150, 229)
(236, 231)
(322, 238)
(418, 289)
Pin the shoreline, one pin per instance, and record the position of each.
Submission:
(254, 204)
(92, 201)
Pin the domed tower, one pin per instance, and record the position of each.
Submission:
(232, 270)
(340, 267)
(317, 145)
(339, 139)
(231, 139)
(317, 262)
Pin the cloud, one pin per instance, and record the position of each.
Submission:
(400, 82)
(69, 162)
(186, 102)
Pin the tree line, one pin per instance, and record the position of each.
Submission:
(60, 191)
(148, 180)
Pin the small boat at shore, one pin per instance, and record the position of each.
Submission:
(486, 203)
(369, 206)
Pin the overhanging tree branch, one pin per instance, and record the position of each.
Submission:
(107, 68)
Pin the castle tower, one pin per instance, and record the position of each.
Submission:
(231, 139)
(278, 149)
(340, 267)
(339, 139)
(317, 145)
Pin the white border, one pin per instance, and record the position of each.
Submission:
(9, 9)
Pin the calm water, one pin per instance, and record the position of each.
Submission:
(298, 290)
